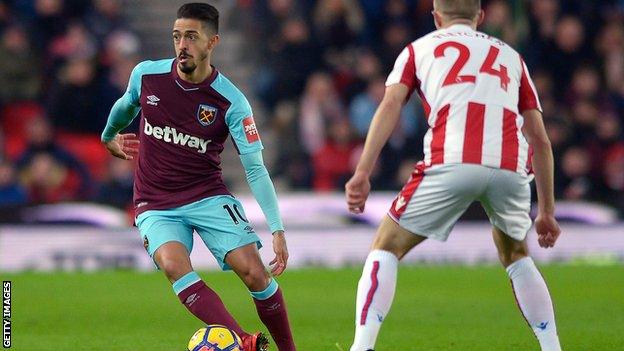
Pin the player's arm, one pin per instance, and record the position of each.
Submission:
(545, 224)
(263, 190)
(125, 109)
(384, 121)
(247, 141)
(534, 131)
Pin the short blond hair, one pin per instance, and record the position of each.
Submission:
(456, 9)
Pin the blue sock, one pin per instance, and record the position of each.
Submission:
(187, 280)
(266, 293)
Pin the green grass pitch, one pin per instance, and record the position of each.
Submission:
(435, 308)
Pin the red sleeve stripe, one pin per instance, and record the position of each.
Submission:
(527, 98)
(409, 71)
(473, 134)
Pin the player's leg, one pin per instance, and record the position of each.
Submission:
(169, 241)
(267, 295)
(530, 289)
(427, 207)
(221, 223)
(507, 203)
(377, 284)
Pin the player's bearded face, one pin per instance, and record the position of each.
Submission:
(192, 44)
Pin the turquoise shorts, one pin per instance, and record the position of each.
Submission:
(219, 220)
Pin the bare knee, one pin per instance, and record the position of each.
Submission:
(383, 243)
(174, 269)
(255, 278)
(512, 255)
(391, 237)
(173, 260)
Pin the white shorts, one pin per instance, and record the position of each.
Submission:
(434, 198)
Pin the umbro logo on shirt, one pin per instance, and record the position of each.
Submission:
(153, 100)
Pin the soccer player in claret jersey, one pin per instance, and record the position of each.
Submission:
(484, 116)
(187, 110)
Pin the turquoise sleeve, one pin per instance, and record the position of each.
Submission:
(126, 108)
(242, 126)
(121, 115)
(262, 188)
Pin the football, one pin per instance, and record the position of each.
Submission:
(215, 338)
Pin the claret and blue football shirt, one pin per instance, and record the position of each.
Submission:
(183, 129)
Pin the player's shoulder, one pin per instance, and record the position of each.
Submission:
(230, 91)
(154, 67)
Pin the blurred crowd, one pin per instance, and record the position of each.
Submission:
(324, 63)
(320, 72)
(63, 63)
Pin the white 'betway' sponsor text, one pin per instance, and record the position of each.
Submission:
(171, 135)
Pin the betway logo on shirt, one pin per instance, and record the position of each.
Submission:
(172, 136)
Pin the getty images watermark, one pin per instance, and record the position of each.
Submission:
(6, 314)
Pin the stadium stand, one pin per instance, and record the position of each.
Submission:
(316, 69)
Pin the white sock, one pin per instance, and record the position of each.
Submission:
(374, 297)
(534, 302)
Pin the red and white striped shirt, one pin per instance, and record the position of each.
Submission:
(473, 88)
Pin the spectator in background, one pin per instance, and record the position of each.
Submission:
(19, 67)
(337, 23)
(48, 22)
(294, 56)
(120, 47)
(320, 107)
(47, 181)
(585, 85)
(5, 15)
(498, 22)
(291, 162)
(567, 51)
(11, 192)
(574, 182)
(610, 46)
(613, 175)
(75, 43)
(363, 108)
(366, 68)
(542, 23)
(40, 141)
(117, 188)
(334, 161)
(585, 114)
(396, 36)
(74, 103)
(104, 17)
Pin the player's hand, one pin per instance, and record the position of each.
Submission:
(281, 253)
(547, 230)
(124, 146)
(356, 191)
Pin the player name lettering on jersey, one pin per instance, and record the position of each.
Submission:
(171, 135)
(469, 34)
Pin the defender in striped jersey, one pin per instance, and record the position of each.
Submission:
(485, 128)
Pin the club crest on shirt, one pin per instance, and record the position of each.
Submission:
(206, 114)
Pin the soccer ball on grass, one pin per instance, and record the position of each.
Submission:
(215, 338)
